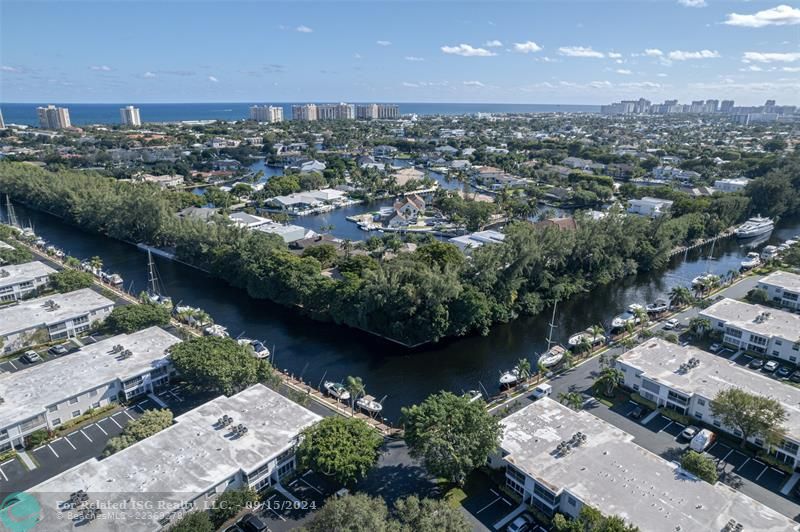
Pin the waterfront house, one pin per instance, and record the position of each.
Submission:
(783, 289)
(163, 181)
(186, 466)
(647, 206)
(311, 166)
(410, 206)
(53, 317)
(384, 151)
(395, 219)
(18, 281)
(558, 460)
(477, 239)
(406, 175)
(288, 232)
(47, 395)
(564, 223)
(731, 185)
(686, 380)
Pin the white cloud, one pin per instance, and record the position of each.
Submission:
(751, 68)
(600, 84)
(213, 79)
(6, 68)
(466, 50)
(680, 55)
(771, 57)
(304, 29)
(661, 75)
(383, 43)
(526, 47)
(493, 44)
(641, 85)
(474, 84)
(782, 15)
(356, 56)
(149, 75)
(410, 85)
(623, 71)
(791, 69)
(693, 3)
(580, 51)
(614, 55)
(101, 68)
(414, 58)
(653, 52)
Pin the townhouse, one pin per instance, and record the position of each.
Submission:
(559, 460)
(756, 328)
(21, 280)
(782, 288)
(186, 466)
(687, 379)
(46, 395)
(53, 317)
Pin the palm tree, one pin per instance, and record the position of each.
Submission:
(584, 345)
(597, 331)
(609, 380)
(523, 370)
(72, 262)
(680, 296)
(346, 247)
(574, 400)
(629, 327)
(699, 325)
(641, 315)
(356, 388)
(627, 343)
(96, 263)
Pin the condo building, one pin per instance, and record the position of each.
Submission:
(118, 368)
(129, 116)
(306, 112)
(22, 280)
(782, 288)
(559, 460)
(52, 117)
(266, 113)
(246, 440)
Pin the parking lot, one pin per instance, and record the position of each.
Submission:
(303, 495)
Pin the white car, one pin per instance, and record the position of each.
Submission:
(520, 524)
(31, 356)
(770, 366)
(670, 324)
(715, 348)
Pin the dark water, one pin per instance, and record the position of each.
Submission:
(316, 349)
(108, 113)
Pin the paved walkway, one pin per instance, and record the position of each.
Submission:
(157, 400)
(286, 493)
(26, 459)
(507, 519)
(651, 416)
(790, 484)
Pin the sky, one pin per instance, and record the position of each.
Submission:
(567, 52)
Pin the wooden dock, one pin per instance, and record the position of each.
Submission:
(700, 243)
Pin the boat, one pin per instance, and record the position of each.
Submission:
(701, 280)
(769, 252)
(658, 307)
(260, 350)
(369, 404)
(216, 330)
(752, 260)
(552, 357)
(473, 395)
(153, 293)
(509, 378)
(629, 316)
(114, 279)
(755, 226)
(576, 339)
(337, 390)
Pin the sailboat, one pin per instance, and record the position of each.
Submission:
(554, 353)
(153, 294)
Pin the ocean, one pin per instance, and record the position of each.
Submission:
(108, 113)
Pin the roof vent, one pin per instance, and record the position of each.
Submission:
(4, 273)
(224, 421)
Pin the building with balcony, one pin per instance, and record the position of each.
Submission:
(186, 466)
(782, 288)
(651, 207)
(756, 329)
(52, 117)
(558, 460)
(22, 280)
(46, 395)
(269, 114)
(731, 185)
(687, 379)
(129, 116)
(54, 317)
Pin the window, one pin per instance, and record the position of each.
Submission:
(52, 408)
(96, 405)
(776, 353)
(93, 393)
(210, 493)
(792, 359)
(636, 387)
(57, 422)
(701, 402)
(778, 342)
(717, 423)
(76, 413)
(651, 386)
(737, 432)
(698, 415)
(571, 501)
(73, 400)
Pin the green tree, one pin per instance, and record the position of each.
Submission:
(591, 520)
(324, 253)
(355, 386)
(130, 318)
(754, 415)
(353, 513)
(574, 400)
(700, 465)
(609, 380)
(70, 280)
(680, 297)
(197, 521)
(428, 515)
(229, 503)
(345, 448)
(523, 370)
(216, 364)
(149, 423)
(758, 296)
(450, 435)
(699, 325)
(96, 263)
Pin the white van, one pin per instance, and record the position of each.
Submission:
(543, 390)
(703, 440)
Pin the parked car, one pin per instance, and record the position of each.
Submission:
(31, 356)
(58, 350)
(795, 377)
(689, 432)
(543, 390)
(714, 348)
(233, 528)
(783, 372)
(252, 523)
(521, 524)
(756, 363)
(637, 413)
(670, 324)
(702, 440)
(770, 366)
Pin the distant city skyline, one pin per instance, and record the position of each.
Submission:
(555, 52)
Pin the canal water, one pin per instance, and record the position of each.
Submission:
(319, 350)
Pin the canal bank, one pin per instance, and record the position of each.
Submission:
(311, 350)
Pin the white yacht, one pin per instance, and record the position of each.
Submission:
(216, 330)
(552, 357)
(509, 378)
(755, 226)
(659, 306)
(369, 404)
(769, 252)
(576, 339)
(337, 390)
(752, 260)
(629, 316)
(703, 279)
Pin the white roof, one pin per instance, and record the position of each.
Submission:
(20, 273)
(181, 462)
(475, 240)
(757, 319)
(652, 201)
(612, 473)
(30, 391)
(785, 280)
(33, 312)
(288, 232)
(661, 361)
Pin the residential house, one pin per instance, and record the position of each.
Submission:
(783, 288)
(18, 281)
(647, 206)
(731, 185)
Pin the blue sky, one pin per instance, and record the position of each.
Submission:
(438, 51)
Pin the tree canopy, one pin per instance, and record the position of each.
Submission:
(197, 521)
(149, 423)
(216, 364)
(701, 465)
(592, 520)
(68, 280)
(131, 318)
(753, 415)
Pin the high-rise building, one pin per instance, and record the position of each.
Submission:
(372, 111)
(388, 111)
(306, 112)
(726, 106)
(129, 115)
(367, 111)
(52, 117)
(711, 106)
(2, 122)
(269, 114)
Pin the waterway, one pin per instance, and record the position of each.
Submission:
(316, 350)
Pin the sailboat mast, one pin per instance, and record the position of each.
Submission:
(552, 325)
(151, 272)
(12, 217)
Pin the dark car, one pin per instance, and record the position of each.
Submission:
(252, 523)
(783, 372)
(637, 413)
(795, 376)
(58, 350)
(756, 363)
